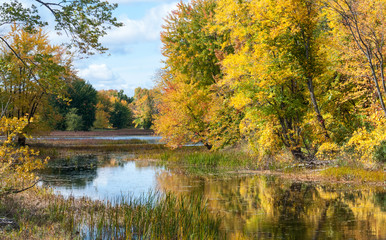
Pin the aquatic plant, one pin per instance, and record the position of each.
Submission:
(152, 216)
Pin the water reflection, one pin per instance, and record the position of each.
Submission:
(261, 207)
(149, 139)
(103, 177)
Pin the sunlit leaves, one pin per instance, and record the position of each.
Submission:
(191, 71)
(17, 164)
(285, 77)
(144, 107)
(25, 83)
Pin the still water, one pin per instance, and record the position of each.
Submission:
(256, 207)
(149, 139)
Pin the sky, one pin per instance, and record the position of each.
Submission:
(134, 54)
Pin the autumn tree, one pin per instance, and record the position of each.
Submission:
(144, 107)
(277, 71)
(191, 70)
(30, 68)
(26, 82)
(17, 164)
(113, 109)
(103, 110)
(361, 26)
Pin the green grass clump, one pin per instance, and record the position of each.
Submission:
(228, 159)
(354, 174)
(153, 216)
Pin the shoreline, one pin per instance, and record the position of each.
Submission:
(102, 133)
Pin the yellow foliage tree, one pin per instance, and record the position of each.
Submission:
(17, 164)
(360, 27)
(30, 70)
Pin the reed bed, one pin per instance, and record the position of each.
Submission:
(152, 216)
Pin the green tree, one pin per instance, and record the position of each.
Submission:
(83, 97)
(74, 122)
(120, 116)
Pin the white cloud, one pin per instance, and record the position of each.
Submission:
(97, 73)
(134, 31)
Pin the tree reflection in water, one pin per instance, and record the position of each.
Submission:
(263, 207)
(76, 171)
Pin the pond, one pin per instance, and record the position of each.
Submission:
(258, 207)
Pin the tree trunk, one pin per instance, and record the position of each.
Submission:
(316, 107)
(21, 140)
(298, 154)
(208, 146)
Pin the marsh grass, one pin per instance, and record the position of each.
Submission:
(157, 217)
(151, 216)
(226, 159)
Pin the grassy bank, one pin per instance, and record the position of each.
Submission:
(200, 161)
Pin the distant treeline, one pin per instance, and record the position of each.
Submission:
(84, 109)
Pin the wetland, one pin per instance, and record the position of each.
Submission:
(247, 206)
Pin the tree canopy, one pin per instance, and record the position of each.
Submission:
(303, 76)
(84, 22)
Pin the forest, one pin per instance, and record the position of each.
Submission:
(269, 120)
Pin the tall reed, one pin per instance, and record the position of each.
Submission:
(152, 216)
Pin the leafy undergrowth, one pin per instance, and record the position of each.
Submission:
(348, 173)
